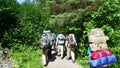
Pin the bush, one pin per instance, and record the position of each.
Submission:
(116, 52)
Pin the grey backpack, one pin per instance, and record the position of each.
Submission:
(61, 39)
(72, 40)
(44, 43)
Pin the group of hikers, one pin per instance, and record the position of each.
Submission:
(60, 44)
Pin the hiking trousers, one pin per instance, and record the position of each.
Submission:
(45, 56)
(71, 53)
(61, 50)
(54, 48)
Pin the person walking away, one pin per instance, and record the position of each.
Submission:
(54, 50)
(70, 45)
(60, 42)
(97, 41)
(44, 46)
(48, 34)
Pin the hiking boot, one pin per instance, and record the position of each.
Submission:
(45, 65)
(58, 55)
(73, 61)
(49, 57)
(67, 58)
(61, 57)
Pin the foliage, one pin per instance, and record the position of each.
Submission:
(115, 51)
(8, 16)
(21, 25)
(84, 62)
(28, 30)
(23, 33)
(104, 18)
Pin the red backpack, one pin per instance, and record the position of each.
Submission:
(100, 53)
(94, 55)
(107, 52)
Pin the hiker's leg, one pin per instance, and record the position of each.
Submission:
(68, 53)
(58, 49)
(49, 52)
(62, 51)
(53, 47)
(46, 54)
(44, 59)
(73, 55)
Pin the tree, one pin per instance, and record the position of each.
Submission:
(8, 16)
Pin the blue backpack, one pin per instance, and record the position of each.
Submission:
(103, 61)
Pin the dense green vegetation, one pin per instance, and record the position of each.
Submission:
(21, 26)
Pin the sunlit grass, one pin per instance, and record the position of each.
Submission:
(83, 61)
(27, 57)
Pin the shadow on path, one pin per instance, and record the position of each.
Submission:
(57, 62)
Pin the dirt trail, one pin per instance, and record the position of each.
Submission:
(57, 62)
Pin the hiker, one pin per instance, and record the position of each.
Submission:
(97, 40)
(44, 45)
(70, 45)
(60, 42)
(51, 37)
(53, 40)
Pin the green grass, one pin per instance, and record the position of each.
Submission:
(83, 61)
(27, 57)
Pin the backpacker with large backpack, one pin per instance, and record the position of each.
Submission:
(61, 39)
(100, 54)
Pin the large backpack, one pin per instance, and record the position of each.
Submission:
(49, 36)
(72, 40)
(53, 36)
(44, 43)
(97, 39)
(60, 39)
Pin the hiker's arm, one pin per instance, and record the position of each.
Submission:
(56, 40)
(74, 40)
(66, 43)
